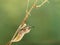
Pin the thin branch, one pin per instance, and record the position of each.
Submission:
(28, 12)
(25, 19)
(27, 5)
(38, 6)
(23, 22)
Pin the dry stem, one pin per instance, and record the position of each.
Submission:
(38, 6)
(25, 19)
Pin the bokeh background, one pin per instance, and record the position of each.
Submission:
(45, 22)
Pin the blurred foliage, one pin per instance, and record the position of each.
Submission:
(45, 22)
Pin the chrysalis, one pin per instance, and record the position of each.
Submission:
(21, 33)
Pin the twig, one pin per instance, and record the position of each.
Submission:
(38, 6)
(28, 12)
(25, 19)
(23, 22)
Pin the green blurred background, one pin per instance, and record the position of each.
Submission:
(45, 22)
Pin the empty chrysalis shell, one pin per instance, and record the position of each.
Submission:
(21, 33)
(18, 37)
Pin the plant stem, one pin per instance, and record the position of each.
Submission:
(23, 22)
(25, 19)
